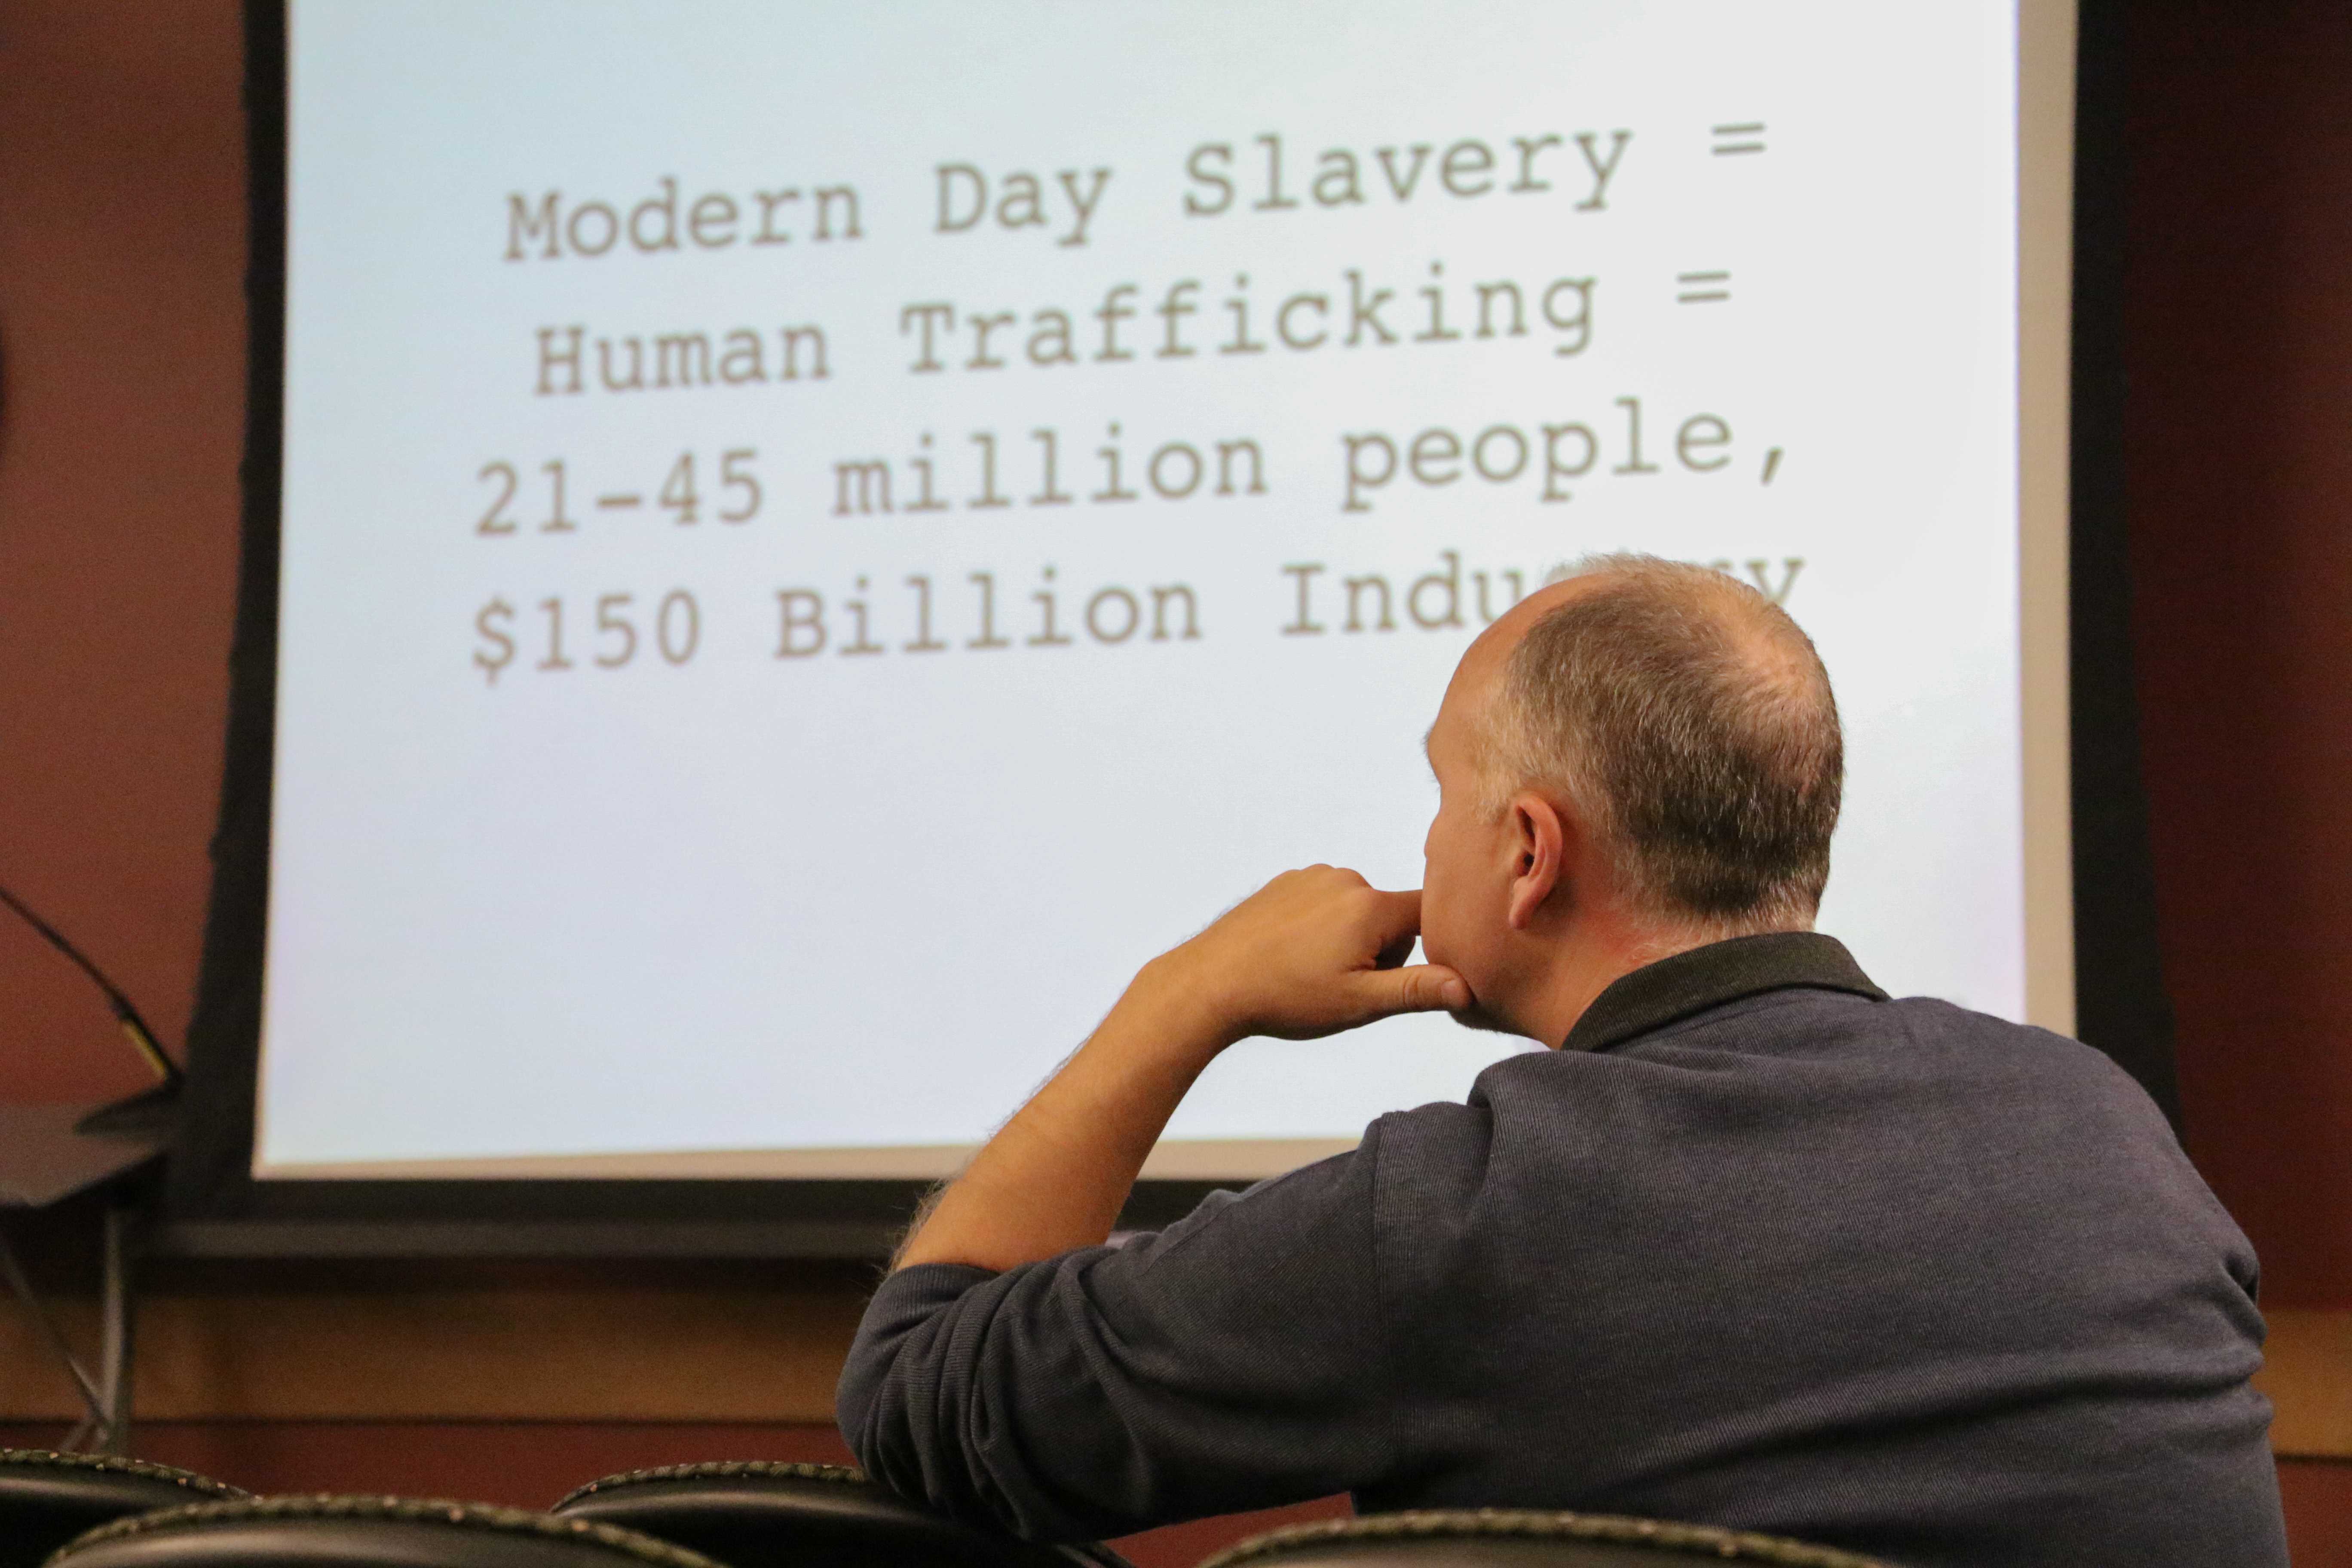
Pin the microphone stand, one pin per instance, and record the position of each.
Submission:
(149, 1110)
(146, 1118)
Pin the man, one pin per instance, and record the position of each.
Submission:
(1752, 1244)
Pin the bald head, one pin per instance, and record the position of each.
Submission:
(1689, 721)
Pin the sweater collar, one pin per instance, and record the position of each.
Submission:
(1675, 988)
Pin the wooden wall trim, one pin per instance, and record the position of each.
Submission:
(502, 1353)
(519, 1352)
(2308, 1373)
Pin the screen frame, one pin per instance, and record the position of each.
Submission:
(2086, 840)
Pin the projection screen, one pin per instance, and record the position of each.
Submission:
(814, 539)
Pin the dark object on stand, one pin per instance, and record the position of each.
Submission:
(46, 1498)
(1518, 1538)
(150, 1110)
(758, 1514)
(366, 1532)
(49, 1153)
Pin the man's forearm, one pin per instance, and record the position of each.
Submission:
(1056, 1176)
(1310, 953)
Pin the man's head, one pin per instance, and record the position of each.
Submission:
(1637, 760)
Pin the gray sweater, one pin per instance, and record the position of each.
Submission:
(1759, 1248)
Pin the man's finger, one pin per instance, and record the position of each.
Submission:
(1399, 913)
(1423, 988)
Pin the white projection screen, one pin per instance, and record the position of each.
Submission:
(816, 538)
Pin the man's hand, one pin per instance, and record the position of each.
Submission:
(1310, 953)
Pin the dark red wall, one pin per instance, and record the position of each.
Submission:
(121, 254)
(2239, 474)
(123, 321)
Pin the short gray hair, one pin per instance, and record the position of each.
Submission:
(1690, 721)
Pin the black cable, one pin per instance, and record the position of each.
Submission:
(134, 1027)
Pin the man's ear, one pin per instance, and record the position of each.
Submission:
(1539, 856)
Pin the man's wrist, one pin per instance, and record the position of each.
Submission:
(1171, 1005)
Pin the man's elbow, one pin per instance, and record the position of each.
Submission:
(873, 1409)
(858, 1401)
(898, 1451)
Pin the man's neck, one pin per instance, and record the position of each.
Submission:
(1595, 962)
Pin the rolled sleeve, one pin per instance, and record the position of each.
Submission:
(1227, 1363)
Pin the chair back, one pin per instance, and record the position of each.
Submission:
(1518, 1538)
(365, 1533)
(756, 1513)
(47, 1497)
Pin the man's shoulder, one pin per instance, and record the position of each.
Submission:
(1803, 1079)
(1948, 1048)
(1927, 1040)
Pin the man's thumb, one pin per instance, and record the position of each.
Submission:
(1423, 988)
